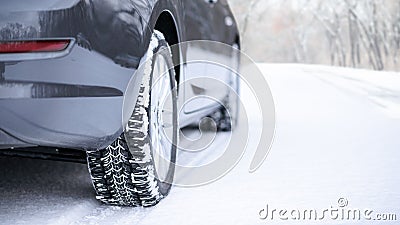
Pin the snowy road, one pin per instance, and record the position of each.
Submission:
(337, 137)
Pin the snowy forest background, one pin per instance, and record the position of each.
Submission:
(352, 33)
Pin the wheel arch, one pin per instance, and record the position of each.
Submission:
(164, 18)
(167, 25)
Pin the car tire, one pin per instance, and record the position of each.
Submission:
(226, 117)
(126, 172)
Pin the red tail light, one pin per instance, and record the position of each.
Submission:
(33, 46)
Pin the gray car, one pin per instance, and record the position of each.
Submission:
(98, 82)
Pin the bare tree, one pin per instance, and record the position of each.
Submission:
(250, 10)
(356, 33)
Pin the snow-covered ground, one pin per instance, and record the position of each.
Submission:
(337, 137)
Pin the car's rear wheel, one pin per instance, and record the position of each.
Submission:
(137, 169)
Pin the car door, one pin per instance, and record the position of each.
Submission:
(204, 20)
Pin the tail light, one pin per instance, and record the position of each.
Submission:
(33, 46)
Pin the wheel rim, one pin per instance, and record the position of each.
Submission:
(162, 119)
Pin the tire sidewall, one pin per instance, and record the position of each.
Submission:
(163, 50)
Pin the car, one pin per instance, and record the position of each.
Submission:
(108, 83)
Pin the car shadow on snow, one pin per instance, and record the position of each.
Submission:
(24, 179)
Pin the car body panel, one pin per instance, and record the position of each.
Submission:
(75, 100)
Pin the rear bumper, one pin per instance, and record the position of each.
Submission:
(71, 102)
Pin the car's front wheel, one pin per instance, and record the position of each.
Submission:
(137, 169)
